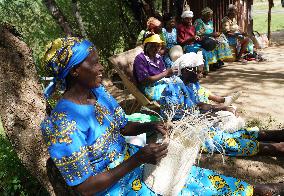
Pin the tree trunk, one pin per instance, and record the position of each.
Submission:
(79, 20)
(58, 16)
(22, 109)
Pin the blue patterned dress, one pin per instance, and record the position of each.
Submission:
(241, 143)
(144, 67)
(170, 37)
(222, 50)
(85, 140)
(171, 40)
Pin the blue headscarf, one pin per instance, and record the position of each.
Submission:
(62, 55)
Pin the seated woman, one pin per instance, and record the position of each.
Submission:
(204, 95)
(154, 26)
(169, 31)
(244, 142)
(170, 35)
(186, 35)
(151, 74)
(204, 29)
(84, 133)
(235, 37)
(201, 96)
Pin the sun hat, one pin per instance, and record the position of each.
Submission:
(155, 38)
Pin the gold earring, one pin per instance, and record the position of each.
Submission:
(75, 74)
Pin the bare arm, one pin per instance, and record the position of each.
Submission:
(104, 180)
(216, 98)
(151, 153)
(136, 128)
(215, 108)
(152, 79)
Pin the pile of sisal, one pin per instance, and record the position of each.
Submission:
(185, 139)
(228, 122)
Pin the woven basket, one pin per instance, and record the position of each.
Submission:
(169, 176)
(185, 138)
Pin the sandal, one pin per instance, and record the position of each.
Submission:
(242, 60)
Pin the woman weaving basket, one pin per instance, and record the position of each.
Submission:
(241, 142)
(151, 74)
(84, 133)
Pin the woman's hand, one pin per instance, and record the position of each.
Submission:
(171, 71)
(216, 34)
(232, 110)
(159, 127)
(197, 38)
(152, 153)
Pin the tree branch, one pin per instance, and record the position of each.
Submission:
(58, 16)
(79, 20)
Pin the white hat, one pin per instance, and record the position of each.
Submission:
(187, 14)
(189, 60)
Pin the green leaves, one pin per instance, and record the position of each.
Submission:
(110, 24)
(14, 178)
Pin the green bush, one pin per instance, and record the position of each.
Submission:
(14, 178)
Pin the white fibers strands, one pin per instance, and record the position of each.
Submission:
(185, 139)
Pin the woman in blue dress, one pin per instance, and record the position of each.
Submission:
(244, 142)
(84, 133)
(204, 29)
(170, 35)
(169, 31)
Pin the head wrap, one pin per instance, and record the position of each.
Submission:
(153, 22)
(61, 56)
(206, 11)
(189, 60)
(231, 8)
(187, 14)
(155, 38)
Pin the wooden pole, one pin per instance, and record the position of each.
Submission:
(269, 19)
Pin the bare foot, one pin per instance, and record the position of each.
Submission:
(271, 149)
(270, 189)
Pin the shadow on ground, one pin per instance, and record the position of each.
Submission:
(257, 169)
(261, 83)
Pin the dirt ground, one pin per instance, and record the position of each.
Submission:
(262, 85)
(262, 102)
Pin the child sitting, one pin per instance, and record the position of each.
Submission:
(191, 71)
